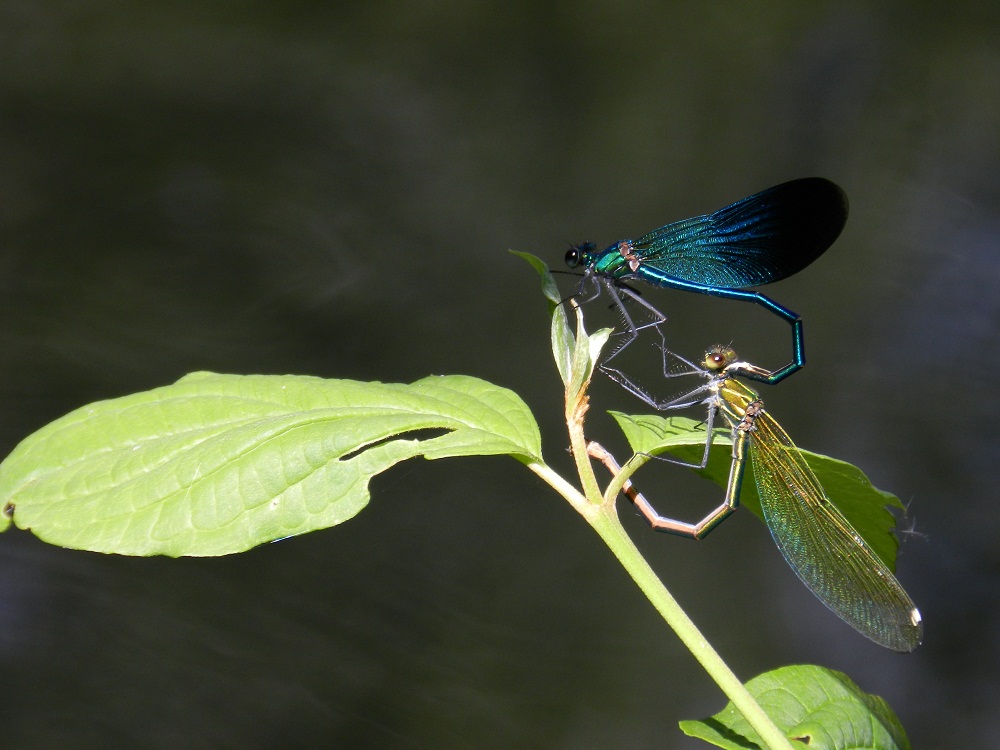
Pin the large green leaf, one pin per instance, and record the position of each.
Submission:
(865, 506)
(216, 464)
(821, 708)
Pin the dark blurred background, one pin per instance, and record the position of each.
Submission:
(331, 189)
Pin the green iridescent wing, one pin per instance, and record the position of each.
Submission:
(822, 547)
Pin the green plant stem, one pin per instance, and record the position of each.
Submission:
(604, 519)
(618, 481)
(578, 447)
(583, 506)
(607, 525)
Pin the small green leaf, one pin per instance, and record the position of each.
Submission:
(821, 708)
(216, 464)
(549, 288)
(562, 336)
(865, 506)
(586, 355)
(575, 355)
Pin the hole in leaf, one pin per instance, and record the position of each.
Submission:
(422, 435)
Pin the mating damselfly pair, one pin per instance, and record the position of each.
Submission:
(758, 240)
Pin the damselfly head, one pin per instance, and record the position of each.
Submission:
(579, 255)
(718, 357)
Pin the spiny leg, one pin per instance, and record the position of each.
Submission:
(631, 332)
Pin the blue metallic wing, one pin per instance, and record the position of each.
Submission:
(766, 237)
